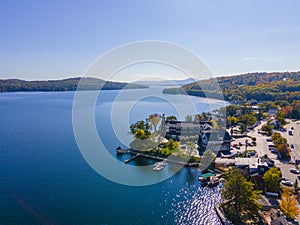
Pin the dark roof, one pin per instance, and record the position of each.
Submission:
(227, 137)
(266, 159)
(176, 122)
(205, 122)
(280, 221)
(218, 133)
(206, 127)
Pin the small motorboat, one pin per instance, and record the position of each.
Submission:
(213, 182)
(159, 165)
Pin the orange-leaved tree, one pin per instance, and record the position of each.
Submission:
(288, 204)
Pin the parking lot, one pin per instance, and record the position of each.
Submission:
(263, 147)
(285, 170)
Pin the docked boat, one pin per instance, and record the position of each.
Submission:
(159, 165)
(164, 163)
(158, 168)
(213, 182)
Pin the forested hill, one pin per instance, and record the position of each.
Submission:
(251, 86)
(12, 85)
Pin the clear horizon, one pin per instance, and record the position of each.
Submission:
(146, 77)
(60, 39)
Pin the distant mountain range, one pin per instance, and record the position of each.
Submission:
(165, 82)
(13, 85)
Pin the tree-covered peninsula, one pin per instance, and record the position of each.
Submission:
(277, 86)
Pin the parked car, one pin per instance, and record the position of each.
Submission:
(251, 154)
(269, 139)
(292, 128)
(238, 153)
(238, 147)
(292, 146)
(287, 182)
(293, 170)
(271, 146)
(273, 151)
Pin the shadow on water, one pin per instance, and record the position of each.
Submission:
(141, 161)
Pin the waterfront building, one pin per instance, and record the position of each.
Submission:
(218, 140)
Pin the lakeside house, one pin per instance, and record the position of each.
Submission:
(255, 166)
(218, 140)
(177, 129)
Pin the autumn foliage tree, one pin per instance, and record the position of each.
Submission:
(287, 110)
(280, 117)
(154, 120)
(281, 144)
(288, 204)
(283, 149)
(296, 109)
(268, 127)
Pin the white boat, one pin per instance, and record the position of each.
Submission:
(158, 168)
(164, 163)
(159, 165)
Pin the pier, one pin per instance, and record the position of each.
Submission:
(139, 154)
(132, 158)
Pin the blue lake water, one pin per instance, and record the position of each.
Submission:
(45, 180)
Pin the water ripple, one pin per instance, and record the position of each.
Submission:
(195, 205)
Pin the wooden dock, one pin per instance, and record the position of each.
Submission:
(132, 158)
(137, 154)
(123, 151)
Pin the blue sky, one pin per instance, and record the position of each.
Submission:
(57, 39)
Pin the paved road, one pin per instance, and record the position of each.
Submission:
(285, 170)
(293, 139)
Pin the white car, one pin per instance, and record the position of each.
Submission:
(287, 182)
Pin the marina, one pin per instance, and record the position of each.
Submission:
(210, 179)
